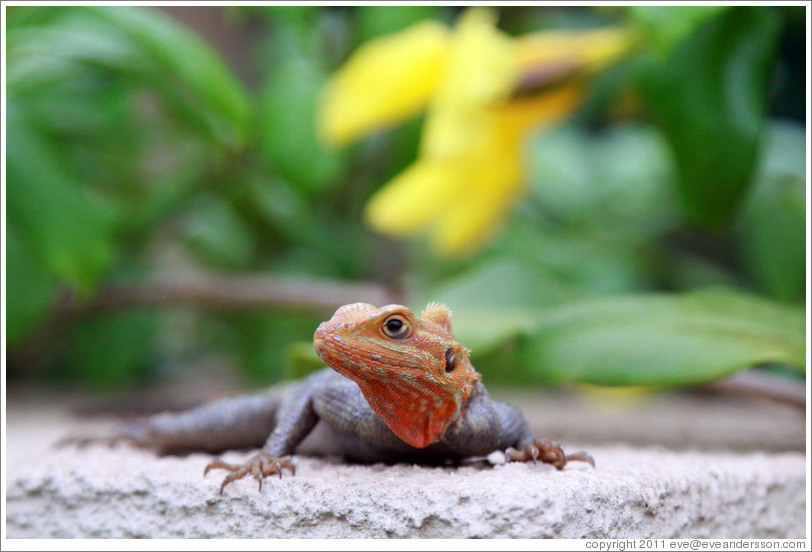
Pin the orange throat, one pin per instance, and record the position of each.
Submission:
(416, 410)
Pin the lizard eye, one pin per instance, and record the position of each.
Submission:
(396, 327)
(450, 361)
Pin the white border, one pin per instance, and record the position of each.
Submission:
(349, 544)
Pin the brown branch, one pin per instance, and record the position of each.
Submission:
(217, 292)
(763, 384)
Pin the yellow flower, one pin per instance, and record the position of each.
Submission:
(483, 92)
(386, 81)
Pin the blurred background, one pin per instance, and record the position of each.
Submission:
(172, 212)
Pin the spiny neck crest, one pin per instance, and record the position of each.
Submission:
(411, 370)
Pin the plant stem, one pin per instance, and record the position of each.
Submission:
(218, 291)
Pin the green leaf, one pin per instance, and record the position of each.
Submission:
(663, 340)
(71, 231)
(22, 16)
(64, 47)
(709, 98)
(667, 26)
(620, 178)
(375, 21)
(282, 208)
(29, 289)
(287, 118)
(485, 330)
(496, 301)
(140, 47)
(493, 306)
(218, 235)
(772, 229)
(598, 204)
(181, 55)
(301, 15)
(560, 180)
(502, 283)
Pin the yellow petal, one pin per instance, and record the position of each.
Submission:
(414, 198)
(591, 49)
(494, 173)
(481, 68)
(384, 82)
(470, 168)
(522, 115)
(472, 217)
(480, 72)
(493, 178)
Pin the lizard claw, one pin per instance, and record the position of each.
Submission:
(581, 456)
(258, 466)
(549, 452)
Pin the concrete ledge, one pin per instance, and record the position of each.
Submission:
(634, 492)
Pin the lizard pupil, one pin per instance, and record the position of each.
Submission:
(450, 361)
(395, 328)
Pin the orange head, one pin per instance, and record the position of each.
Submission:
(411, 370)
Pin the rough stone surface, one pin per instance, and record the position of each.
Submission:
(636, 491)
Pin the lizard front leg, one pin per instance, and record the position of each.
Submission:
(531, 448)
(295, 419)
(489, 425)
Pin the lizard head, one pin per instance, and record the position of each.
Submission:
(411, 370)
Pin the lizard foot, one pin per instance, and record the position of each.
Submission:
(258, 466)
(549, 452)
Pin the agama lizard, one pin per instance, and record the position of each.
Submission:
(400, 388)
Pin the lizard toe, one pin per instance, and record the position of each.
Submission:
(547, 451)
(551, 452)
(581, 456)
(259, 466)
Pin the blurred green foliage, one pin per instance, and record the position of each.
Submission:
(714, 118)
(661, 240)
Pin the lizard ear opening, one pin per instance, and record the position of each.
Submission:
(439, 314)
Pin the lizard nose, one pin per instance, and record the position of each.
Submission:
(321, 338)
(318, 339)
